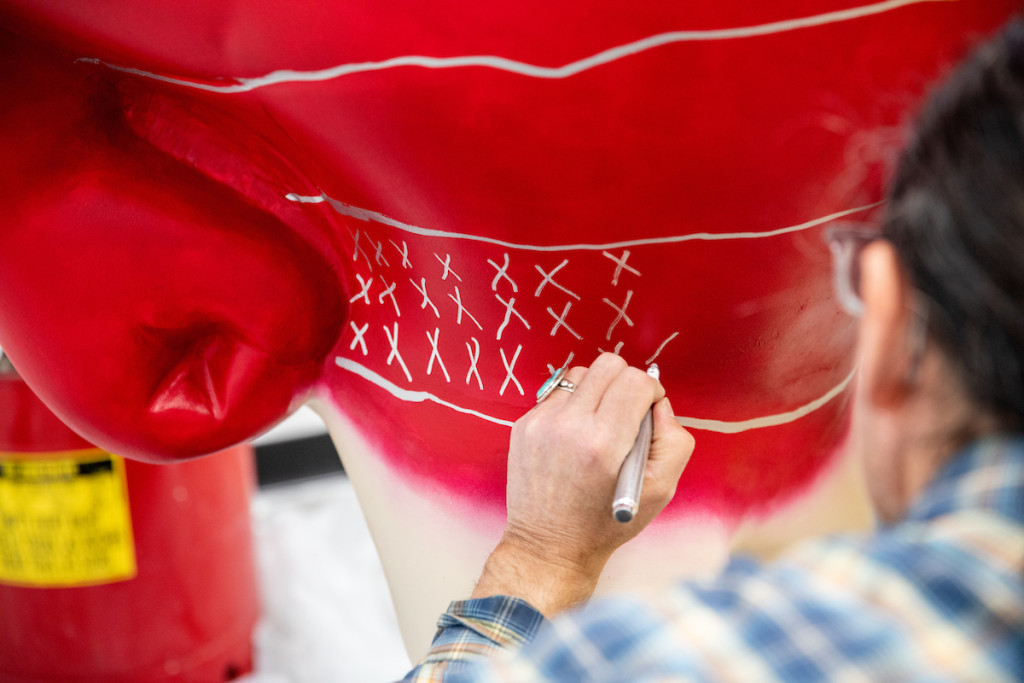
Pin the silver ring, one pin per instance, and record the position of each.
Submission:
(556, 381)
(566, 385)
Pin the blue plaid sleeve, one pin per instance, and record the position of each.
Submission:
(937, 597)
(474, 631)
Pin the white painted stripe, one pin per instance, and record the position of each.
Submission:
(368, 215)
(721, 426)
(407, 394)
(724, 427)
(661, 347)
(522, 68)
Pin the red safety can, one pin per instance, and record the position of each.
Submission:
(114, 570)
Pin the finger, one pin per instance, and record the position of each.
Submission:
(561, 395)
(671, 449)
(671, 441)
(597, 379)
(550, 389)
(628, 398)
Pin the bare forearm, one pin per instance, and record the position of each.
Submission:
(550, 585)
(564, 457)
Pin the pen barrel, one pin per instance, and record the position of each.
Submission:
(631, 474)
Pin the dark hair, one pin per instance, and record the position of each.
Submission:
(956, 217)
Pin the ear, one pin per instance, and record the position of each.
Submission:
(884, 345)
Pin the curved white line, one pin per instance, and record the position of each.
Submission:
(721, 426)
(724, 427)
(407, 394)
(367, 215)
(522, 68)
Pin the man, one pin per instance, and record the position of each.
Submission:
(937, 592)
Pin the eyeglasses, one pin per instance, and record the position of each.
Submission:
(846, 243)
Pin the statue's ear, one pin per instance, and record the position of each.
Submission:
(160, 310)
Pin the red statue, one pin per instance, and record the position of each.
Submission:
(409, 214)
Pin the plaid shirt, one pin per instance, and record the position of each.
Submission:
(938, 596)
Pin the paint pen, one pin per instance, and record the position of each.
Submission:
(631, 474)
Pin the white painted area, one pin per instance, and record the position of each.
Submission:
(433, 544)
(613, 54)
(368, 215)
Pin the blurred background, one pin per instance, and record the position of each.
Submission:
(327, 614)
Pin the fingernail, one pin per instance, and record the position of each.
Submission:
(668, 406)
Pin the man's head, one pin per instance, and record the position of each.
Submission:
(942, 338)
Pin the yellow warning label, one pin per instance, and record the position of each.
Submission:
(64, 519)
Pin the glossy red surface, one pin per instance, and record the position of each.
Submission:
(188, 253)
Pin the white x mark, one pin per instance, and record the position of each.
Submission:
(618, 347)
(404, 251)
(551, 368)
(458, 302)
(560, 321)
(364, 294)
(509, 312)
(393, 341)
(502, 273)
(426, 299)
(447, 263)
(620, 263)
(435, 354)
(548, 278)
(621, 313)
(389, 291)
(474, 357)
(358, 339)
(357, 250)
(378, 251)
(508, 369)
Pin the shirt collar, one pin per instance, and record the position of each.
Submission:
(988, 474)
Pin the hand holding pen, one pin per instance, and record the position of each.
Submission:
(630, 483)
(565, 456)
